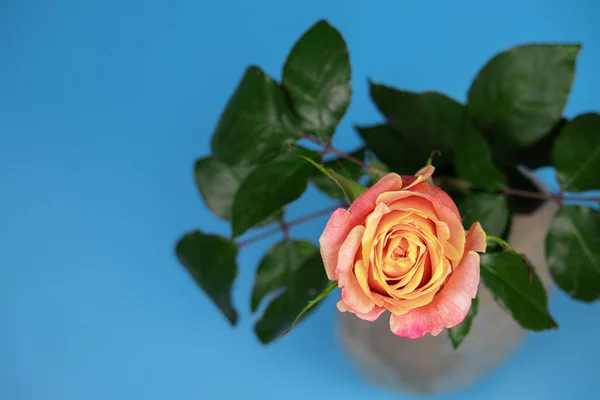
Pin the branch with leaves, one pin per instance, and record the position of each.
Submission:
(512, 119)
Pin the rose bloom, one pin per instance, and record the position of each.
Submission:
(401, 246)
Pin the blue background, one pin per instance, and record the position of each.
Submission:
(104, 105)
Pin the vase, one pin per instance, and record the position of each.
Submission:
(430, 365)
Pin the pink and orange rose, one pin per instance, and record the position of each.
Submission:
(401, 246)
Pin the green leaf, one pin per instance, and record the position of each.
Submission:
(256, 123)
(491, 210)
(211, 261)
(432, 119)
(473, 161)
(317, 77)
(269, 188)
(507, 277)
(312, 303)
(459, 333)
(576, 154)
(343, 167)
(534, 156)
(218, 183)
(295, 269)
(573, 252)
(399, 153)
(520, 94)
(350, 188)
(380, 168)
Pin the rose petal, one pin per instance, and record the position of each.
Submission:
(353, 294)
(447, 309)
(432, 190)
(362, 277)
(347, 254)
(421, 176)
(371, 224)
(337, 229)
(370, 316)
(476, 239)
(426, 172)
(365, 203)
(442, 206)
(355, 298)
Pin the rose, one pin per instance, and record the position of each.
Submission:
(401, 246)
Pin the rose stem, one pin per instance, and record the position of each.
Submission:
(559, 198)
(327, 148)
(288, 225)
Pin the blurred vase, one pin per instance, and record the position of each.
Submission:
(430, 365)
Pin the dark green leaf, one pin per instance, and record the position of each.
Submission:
(520, 94)
(343, 167)
(533, 156)
(317, 77)
(312, 303)
(576, 154)
(269, 188)
(377, 169)
(294, 267)
(256, 123)
(573, 252)
(491, 210)
(507, 277)
(396, 151)
(218, 183)
(473, 161)
(459, 333)
(211, 261)
(432, 119)
(351, 188)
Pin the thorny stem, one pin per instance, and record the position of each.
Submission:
(285, 226)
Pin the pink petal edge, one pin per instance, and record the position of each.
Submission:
(448, 308)
(476, 238)
(371, 316)
(347, 254)
(337, 229)
(365, 203)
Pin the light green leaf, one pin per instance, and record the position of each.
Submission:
(343, 167)
(350, 188)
